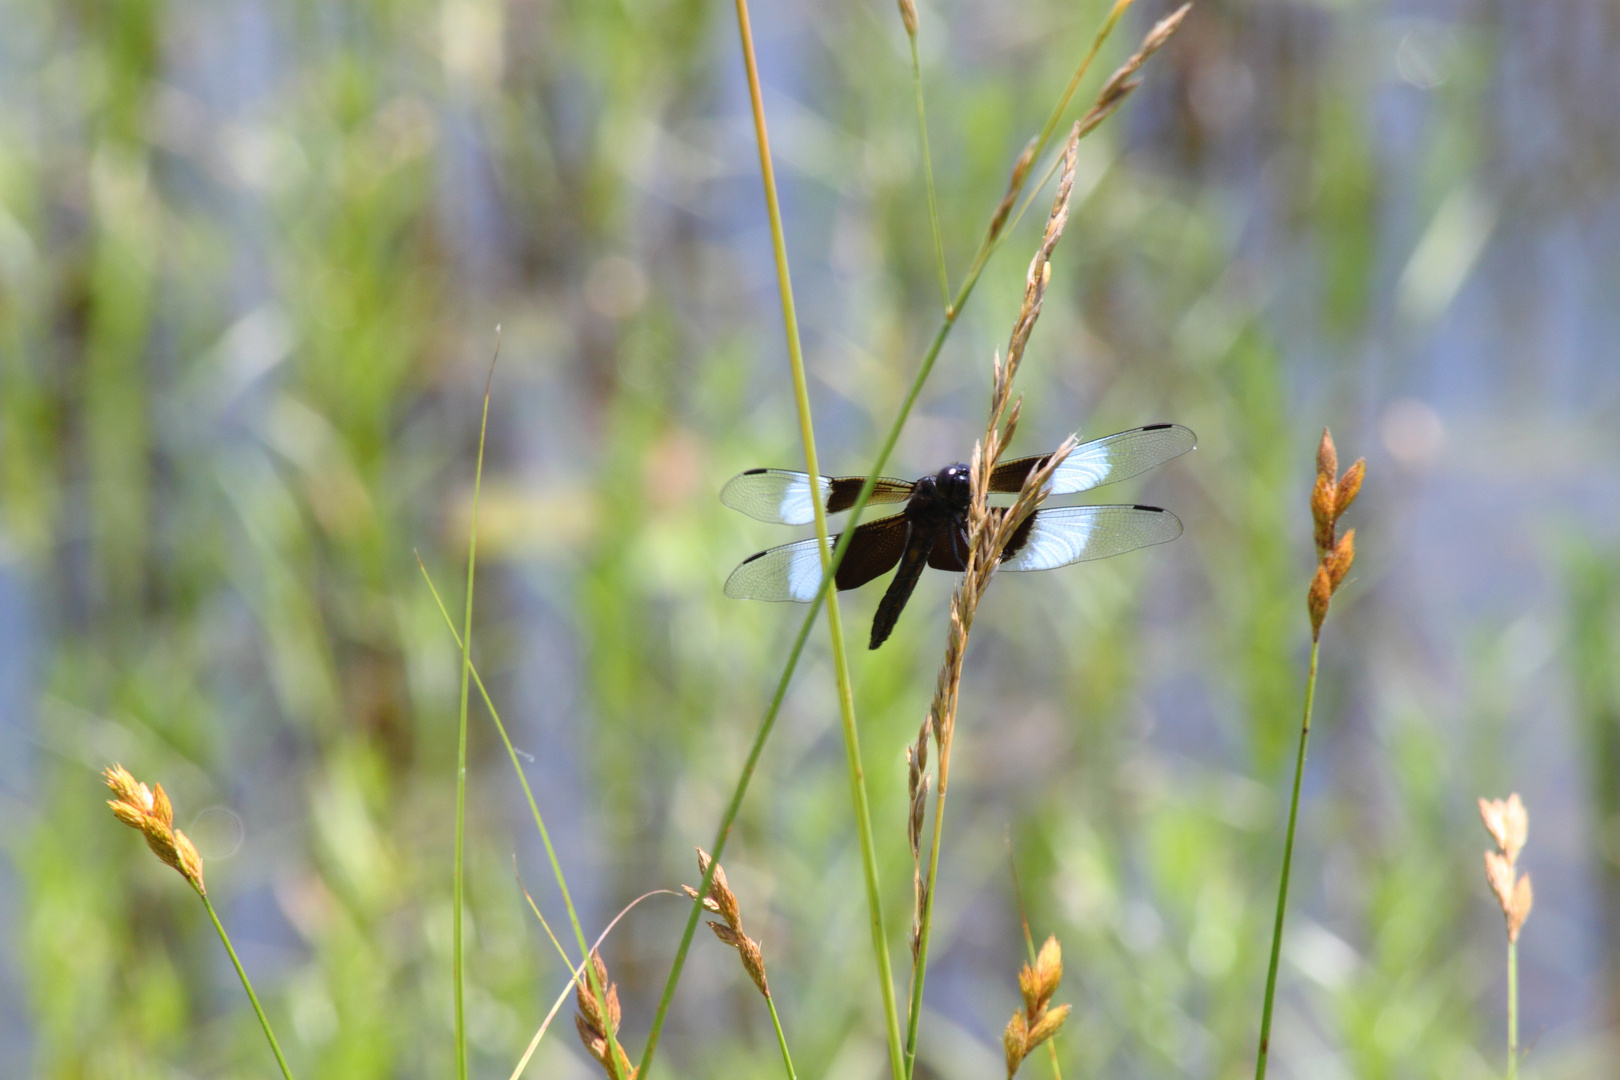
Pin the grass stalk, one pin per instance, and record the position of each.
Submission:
(241, 973)
(1512, 1009)
(458, 958)
(928, 176)
(781, 1039)
(534, 808)
(989, 531)
(846, 695)
(1287, 865)
(767, 722)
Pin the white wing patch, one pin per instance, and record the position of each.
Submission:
(1087, 467)
(1053, 542)
(1071, 534)
(788, 572)
(777, 495)
(796, 506)
(1119, 457)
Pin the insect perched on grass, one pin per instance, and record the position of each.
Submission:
(933, 528)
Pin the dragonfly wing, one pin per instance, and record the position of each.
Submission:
(1101, 461)
(783, 496)
(793, 571)
(1069, 534)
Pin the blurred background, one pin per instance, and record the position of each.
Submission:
(252, 258)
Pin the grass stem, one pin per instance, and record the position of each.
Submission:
(458, 958)
(534, 808)
(1512, 1009)
(846, 695)
(781, 1039)
(1287, 866)
(241, 973)
(928, 177)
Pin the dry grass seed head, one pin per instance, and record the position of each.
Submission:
(593, 1027)
(149, 810)
(1508, 822)
(1039, 1020)
(1331, 496)
(723, 902)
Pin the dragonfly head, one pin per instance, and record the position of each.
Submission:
(955, 484)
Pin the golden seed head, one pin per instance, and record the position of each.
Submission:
(1046, 1027)
(149, 810)
(1012, 1041)
(1049, 968)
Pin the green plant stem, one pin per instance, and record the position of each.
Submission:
(781, 1039)
(919, 969)
(458, 959)
(1287, 866)
(928, 177)
(264, 1021)
(768, 721)
(835, 627)
(1512, 1009)
(534, 809)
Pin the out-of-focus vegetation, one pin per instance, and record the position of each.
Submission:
(251, 261)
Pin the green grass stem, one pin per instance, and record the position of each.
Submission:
(241, 973)
(781, 1039)
(534, 808)
(1287, 866)
(458, 958)
(835, 627)
(928, 177)
(1512, 1009)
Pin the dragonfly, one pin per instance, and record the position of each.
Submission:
(932, 530)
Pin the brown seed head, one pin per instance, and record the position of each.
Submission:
(908, 15)
(720, 891)
(1322, 502)
(149, 810)
(1349, 487)
(1337, 562)
(1015, 184)
(591, 1024)
(1317, 600)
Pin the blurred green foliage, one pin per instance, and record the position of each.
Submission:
(250, 260)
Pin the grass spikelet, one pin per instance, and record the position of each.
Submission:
(1509, 825)
(723, 902)
(149, 811)
(1039, 1019)
(598, 1020)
